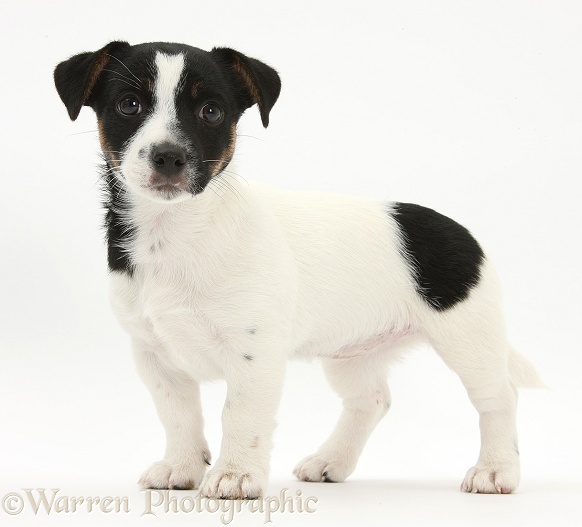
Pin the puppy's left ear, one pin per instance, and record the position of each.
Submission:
(257, 83)
(75, 79)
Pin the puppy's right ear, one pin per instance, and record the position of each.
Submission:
(76, 78)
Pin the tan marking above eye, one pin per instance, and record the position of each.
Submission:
(196, 89)
(148, 84)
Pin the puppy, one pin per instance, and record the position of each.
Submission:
(214, 278)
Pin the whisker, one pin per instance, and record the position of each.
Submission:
(94, 183)
(119, 190)
(81, 133)
(225, 185)
(133, 85)
(124, 76)
(252, 137)
(114, 180)
(231, 174)
(130, 72)
(109, 173)
(221, 197)
(113, 167)
(220, 190)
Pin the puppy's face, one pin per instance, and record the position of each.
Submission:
(167, 113)
(167, 120)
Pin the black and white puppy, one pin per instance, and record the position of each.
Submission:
(215, 278)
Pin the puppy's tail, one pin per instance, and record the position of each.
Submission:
(522, 371)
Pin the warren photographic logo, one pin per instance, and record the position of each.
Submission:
(53, 502)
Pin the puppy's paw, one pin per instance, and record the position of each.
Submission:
(232, 484)
(321, 468)
(501, 479)
(180, 476)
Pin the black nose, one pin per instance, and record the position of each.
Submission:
(168, 159)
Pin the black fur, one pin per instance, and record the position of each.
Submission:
(444, 257)
(118, 231)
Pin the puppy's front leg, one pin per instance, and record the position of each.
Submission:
(177, 400)
(254, 382)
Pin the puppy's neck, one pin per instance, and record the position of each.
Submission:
(137, 227)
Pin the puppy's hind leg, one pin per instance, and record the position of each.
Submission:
(471, 340)
(361, 382)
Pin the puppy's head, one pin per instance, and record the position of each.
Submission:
(167, 113)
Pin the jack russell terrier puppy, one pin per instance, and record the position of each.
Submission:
(214, 278)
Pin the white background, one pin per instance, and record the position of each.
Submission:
(472, 108)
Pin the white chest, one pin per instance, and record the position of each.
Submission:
(165, 304)
(162, 313)
(205, 284)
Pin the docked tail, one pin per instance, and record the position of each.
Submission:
(522, 372)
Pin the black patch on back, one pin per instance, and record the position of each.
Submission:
(118, 231)
(444, 256)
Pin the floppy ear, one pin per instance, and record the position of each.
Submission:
(76, 78)
(257, 83)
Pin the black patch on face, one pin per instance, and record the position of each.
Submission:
(444, 257)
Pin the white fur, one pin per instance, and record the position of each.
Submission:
(269, 274)
(230, 283)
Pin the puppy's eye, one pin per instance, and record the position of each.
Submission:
(211, 113)
(129, 106)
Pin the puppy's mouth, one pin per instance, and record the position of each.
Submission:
(168, 188)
